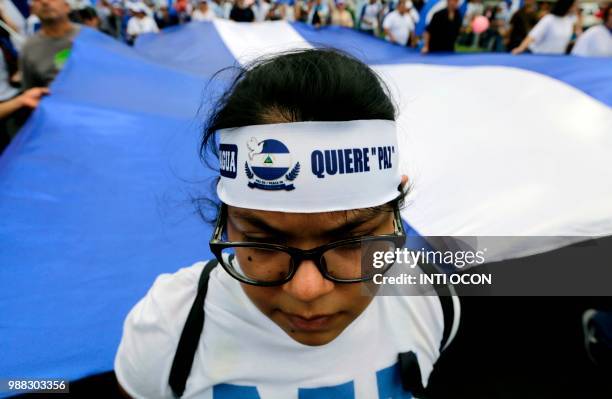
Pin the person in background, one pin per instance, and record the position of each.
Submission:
(241, 12)
(105, 12)
(597, 40)
(14, 107)
(8, 67)
(442, 31)
(282, 11)
(76, 5)
(543, 9)
(32, 25)
(261, 9)
(110, 13)
(9, 101)
(183, 10)
(140, 22)
(474, 8)
(4, 17)
(300, 10)
(9, 107)
(400, 23)
(89, 17)
(368, 18)
(44, 54)
(8, 31)
(203, 12)
(340, 16)
(552, 34)
(218, 9)
(318, 13)
(521, 23)
(164, 18)
(493, 38)
(228, 5)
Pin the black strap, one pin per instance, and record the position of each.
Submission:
(410, 374)
(190, 337)
(446, 300)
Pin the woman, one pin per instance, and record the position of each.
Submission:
(552, 34)
(310, 189)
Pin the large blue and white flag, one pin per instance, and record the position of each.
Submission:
(95, 191)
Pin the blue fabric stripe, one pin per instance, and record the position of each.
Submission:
(195, 48)
(95, 202)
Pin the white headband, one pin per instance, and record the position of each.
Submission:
(308, 167)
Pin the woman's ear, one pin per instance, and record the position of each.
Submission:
(403, 183)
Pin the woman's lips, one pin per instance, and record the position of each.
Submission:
(311, 323)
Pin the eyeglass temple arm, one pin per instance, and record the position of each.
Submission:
(221, 216)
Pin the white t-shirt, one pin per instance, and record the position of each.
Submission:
(595, 42)
(261, 11)
(552, 34)
(370, 16)
(198, 15)
(243, 354)
(138, 26)
(399, 26)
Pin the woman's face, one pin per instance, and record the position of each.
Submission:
(310, 308)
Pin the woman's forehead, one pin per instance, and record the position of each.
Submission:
(312, 221)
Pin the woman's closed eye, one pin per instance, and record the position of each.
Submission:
(264, 239)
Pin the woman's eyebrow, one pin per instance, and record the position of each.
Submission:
(259, 223)
(340, 231)
(346, 228)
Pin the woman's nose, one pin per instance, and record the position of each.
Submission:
(308, 283)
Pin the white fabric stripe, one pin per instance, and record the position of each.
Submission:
(250, 41)
(496, 151)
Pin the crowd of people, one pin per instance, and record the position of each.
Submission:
(549, 27)
(35, 48)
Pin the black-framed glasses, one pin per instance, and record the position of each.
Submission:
(351, 260)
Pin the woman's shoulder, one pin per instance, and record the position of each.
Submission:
(151, 333)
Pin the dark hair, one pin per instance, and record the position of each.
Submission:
(561, 7)
(297, 86)
(305, 85)
(88, 13)
(82, 15)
